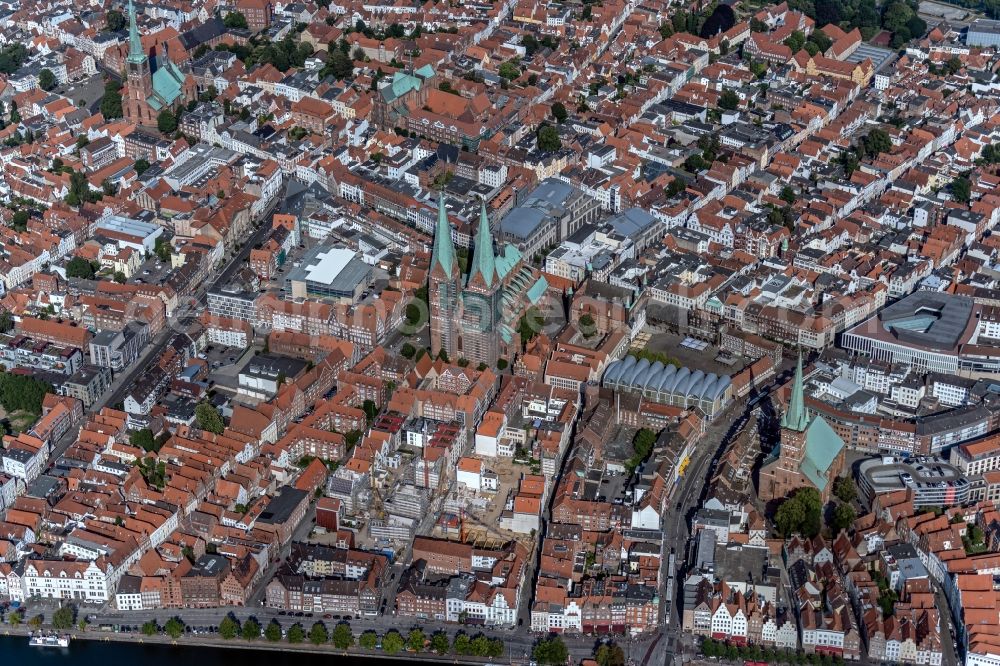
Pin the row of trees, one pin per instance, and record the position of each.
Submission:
(342, 638)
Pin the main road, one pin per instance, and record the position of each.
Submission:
(185, 314)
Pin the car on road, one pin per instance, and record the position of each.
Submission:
(327, 617)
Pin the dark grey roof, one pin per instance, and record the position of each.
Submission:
(930, 319)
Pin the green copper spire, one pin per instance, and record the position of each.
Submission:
(795, 417)
(483, 261)
(444, 249)
(135, 53)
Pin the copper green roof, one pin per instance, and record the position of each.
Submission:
(506, 262)
(168, 82)
(823, 445)
(483, 261)
(135, 53)
(444, 249)
(795, 417)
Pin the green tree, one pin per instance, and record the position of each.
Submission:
(961, 189)
(78, 267)
(843, 517)
(462, 644)
(162, 249)
(208, 418)
(480, 646)
(318, 635)
(795, 41)
(340, 65)
(250, 630)
(877, 141)
(174, 627)
(111, 102)
(801, 513)
(20, 220)
(141, 166)
(548, 139)
(235, 20)
(415, 641)
(952, 65)
(166, 122)
(559, 113)
(296, 634)
(229, 628)
(729, 100)
(392, 642)
(150, 628)
(609, 655)
(343, 638)
(896, 16)
(15, 115)
(440, 642)
(368, 640)
(272, 632)
(407, 350)
(820, 39)
(695, 163)
(46, 79)
(119, 277)
(6, 321)
(676, 186)
(844, 489)
(550, 651)
(114, 21)
(143, 439)
(509, 70)
(63, 617)
(370, 409)
(849, 160)
(22, 393)
(787, 194)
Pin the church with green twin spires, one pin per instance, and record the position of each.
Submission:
(475, 316)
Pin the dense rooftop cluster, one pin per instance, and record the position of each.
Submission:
(448, 311)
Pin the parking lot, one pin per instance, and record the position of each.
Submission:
(673, 346)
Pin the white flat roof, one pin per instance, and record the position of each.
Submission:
(329, 265)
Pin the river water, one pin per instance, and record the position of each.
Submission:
(15, 651)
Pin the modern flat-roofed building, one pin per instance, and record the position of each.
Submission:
(330, 272)
(933, 481)
(983, 32)
(931, 331)
(551, 212)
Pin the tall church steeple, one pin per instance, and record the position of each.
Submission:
(136, 56)
(444, 257)
(443, 288)
(483, 260)
(795, 417)
(138, 76)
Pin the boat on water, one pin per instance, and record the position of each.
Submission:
(48, 640)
